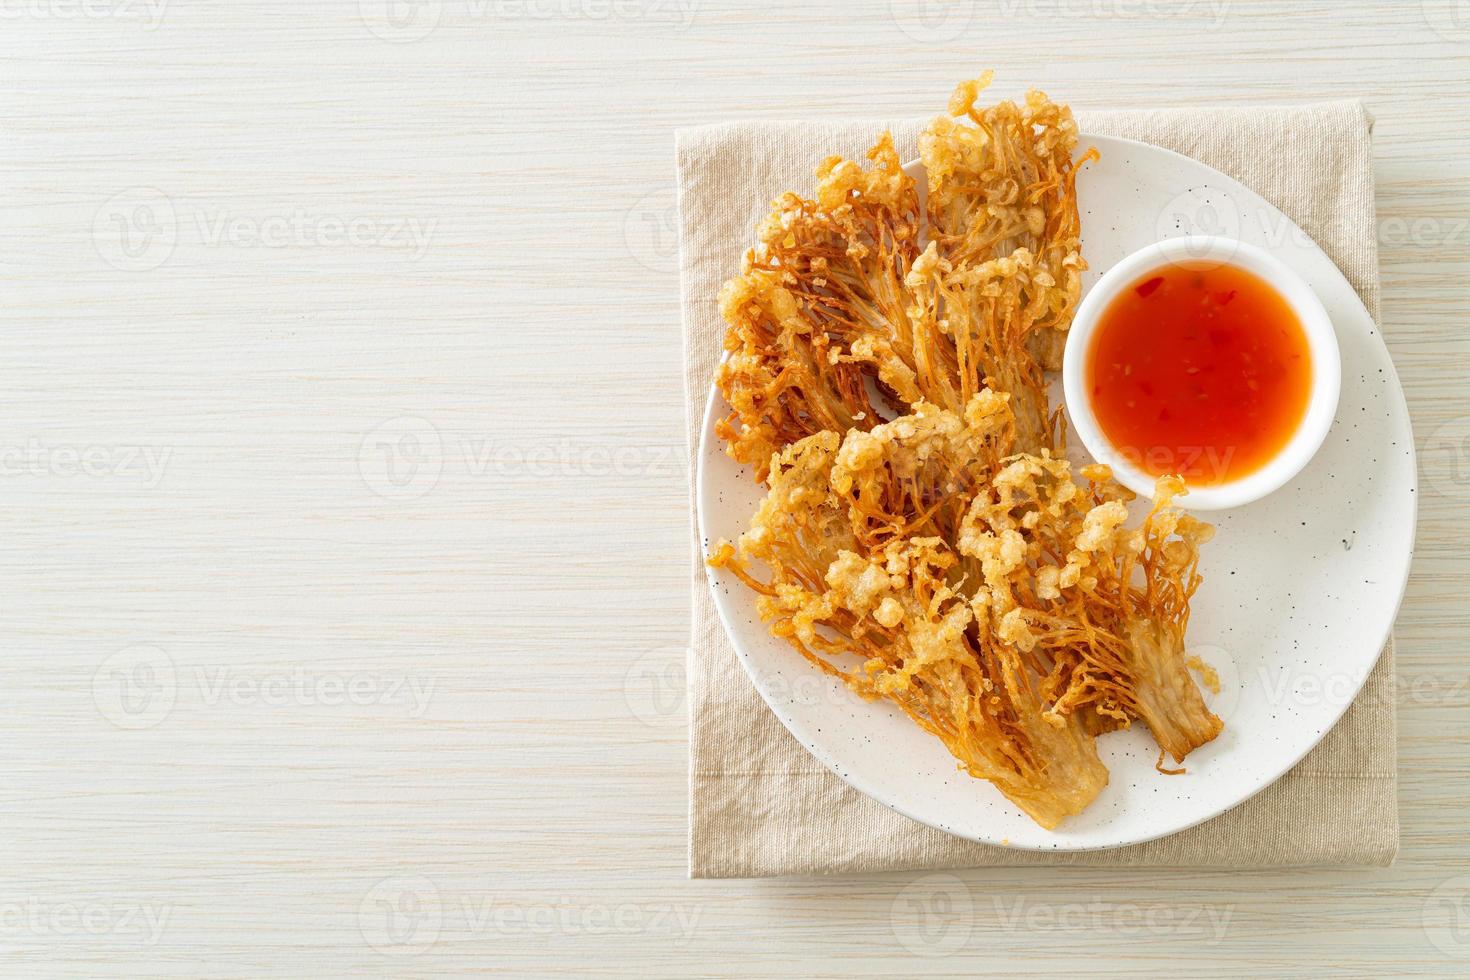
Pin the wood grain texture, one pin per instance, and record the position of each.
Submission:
(344, 511)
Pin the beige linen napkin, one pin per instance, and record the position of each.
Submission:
(760, 805)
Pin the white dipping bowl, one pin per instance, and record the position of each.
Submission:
(1204, 250)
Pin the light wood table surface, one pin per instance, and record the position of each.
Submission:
(344, 507)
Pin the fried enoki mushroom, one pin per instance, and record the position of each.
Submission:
(1101, 606)
(1005, 185)
(820, 308)
(858, 542)
(946, 560)
(987, 595)
(839, 319)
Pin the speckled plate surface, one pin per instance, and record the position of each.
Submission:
(1300, 591)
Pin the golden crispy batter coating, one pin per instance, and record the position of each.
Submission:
(946, 560)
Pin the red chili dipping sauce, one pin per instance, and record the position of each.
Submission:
(1203, 371)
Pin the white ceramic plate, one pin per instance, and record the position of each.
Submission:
(1300, 591)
